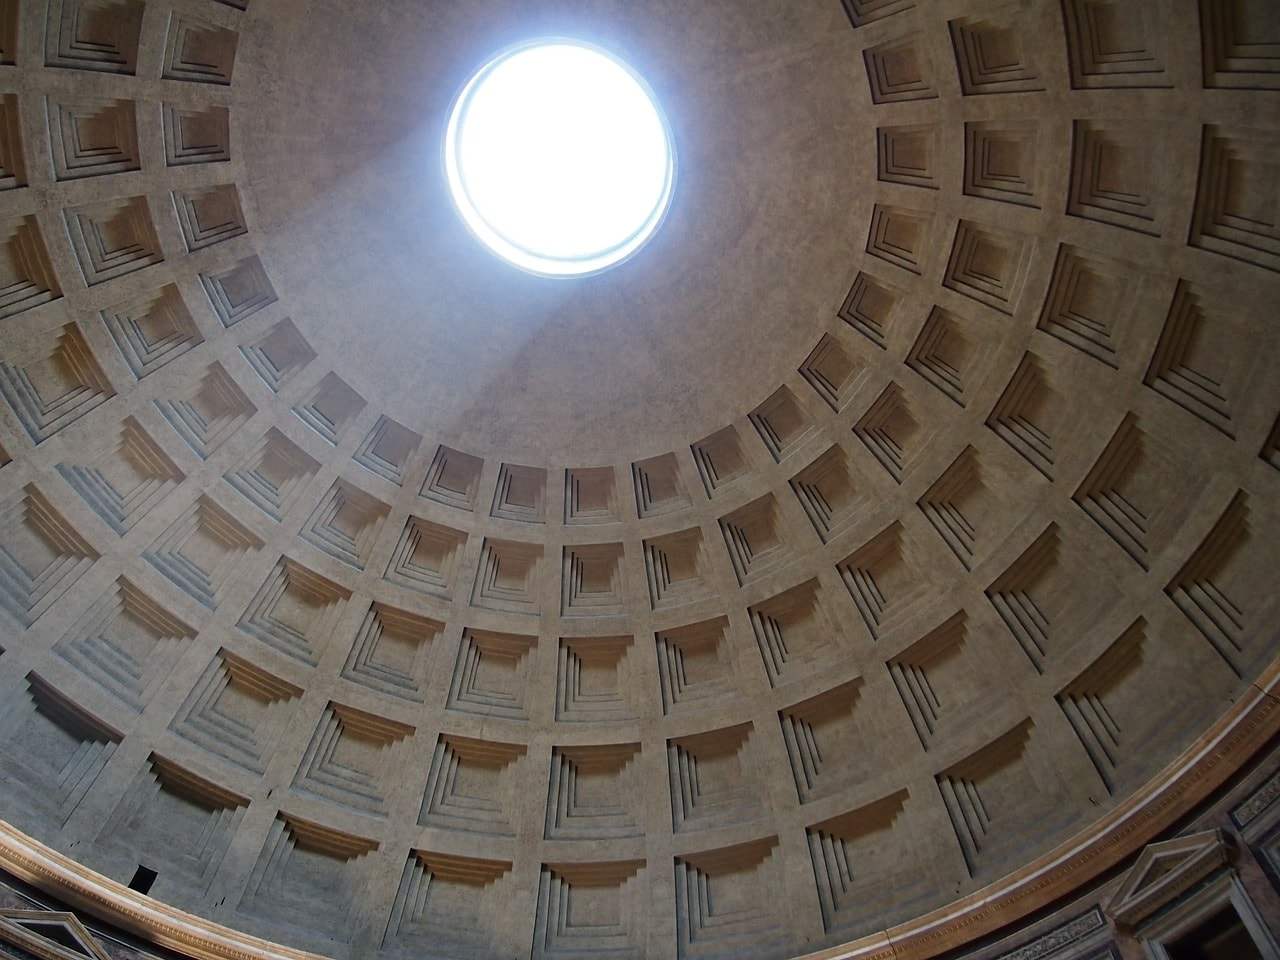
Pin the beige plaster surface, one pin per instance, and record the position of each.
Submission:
(977, 550)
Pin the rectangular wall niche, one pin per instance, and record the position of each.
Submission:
(491, 674)
(595, 681)
(51, 752)
(694, 664)
(592, 581)
(236, 710)
(592, 909)
(391, 652)
(713, 779)
(793, 632)
(127, 643)
(471, 786)
(178, 822)
(595, 793)
(202, 551)
(308, 876)
(295, 611)
(426, 558)
(507, 577)
(91, 35)
(127, 482)
(41, 556)
(659, 488)
(442, 904)
(53, 381)
(861, 865)
(727, 902)
(352, 759)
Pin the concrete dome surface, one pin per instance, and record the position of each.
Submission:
(875, 561)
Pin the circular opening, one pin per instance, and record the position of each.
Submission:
(559, 159)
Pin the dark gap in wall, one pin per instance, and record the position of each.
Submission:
(142, 880)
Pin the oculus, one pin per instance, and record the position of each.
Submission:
(559, 159)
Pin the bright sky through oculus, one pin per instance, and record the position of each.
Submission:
(558, 158)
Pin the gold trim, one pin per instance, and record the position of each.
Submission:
(80, 887)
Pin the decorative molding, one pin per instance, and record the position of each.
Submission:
(1165, 871)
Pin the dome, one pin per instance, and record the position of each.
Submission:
(872, 550)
